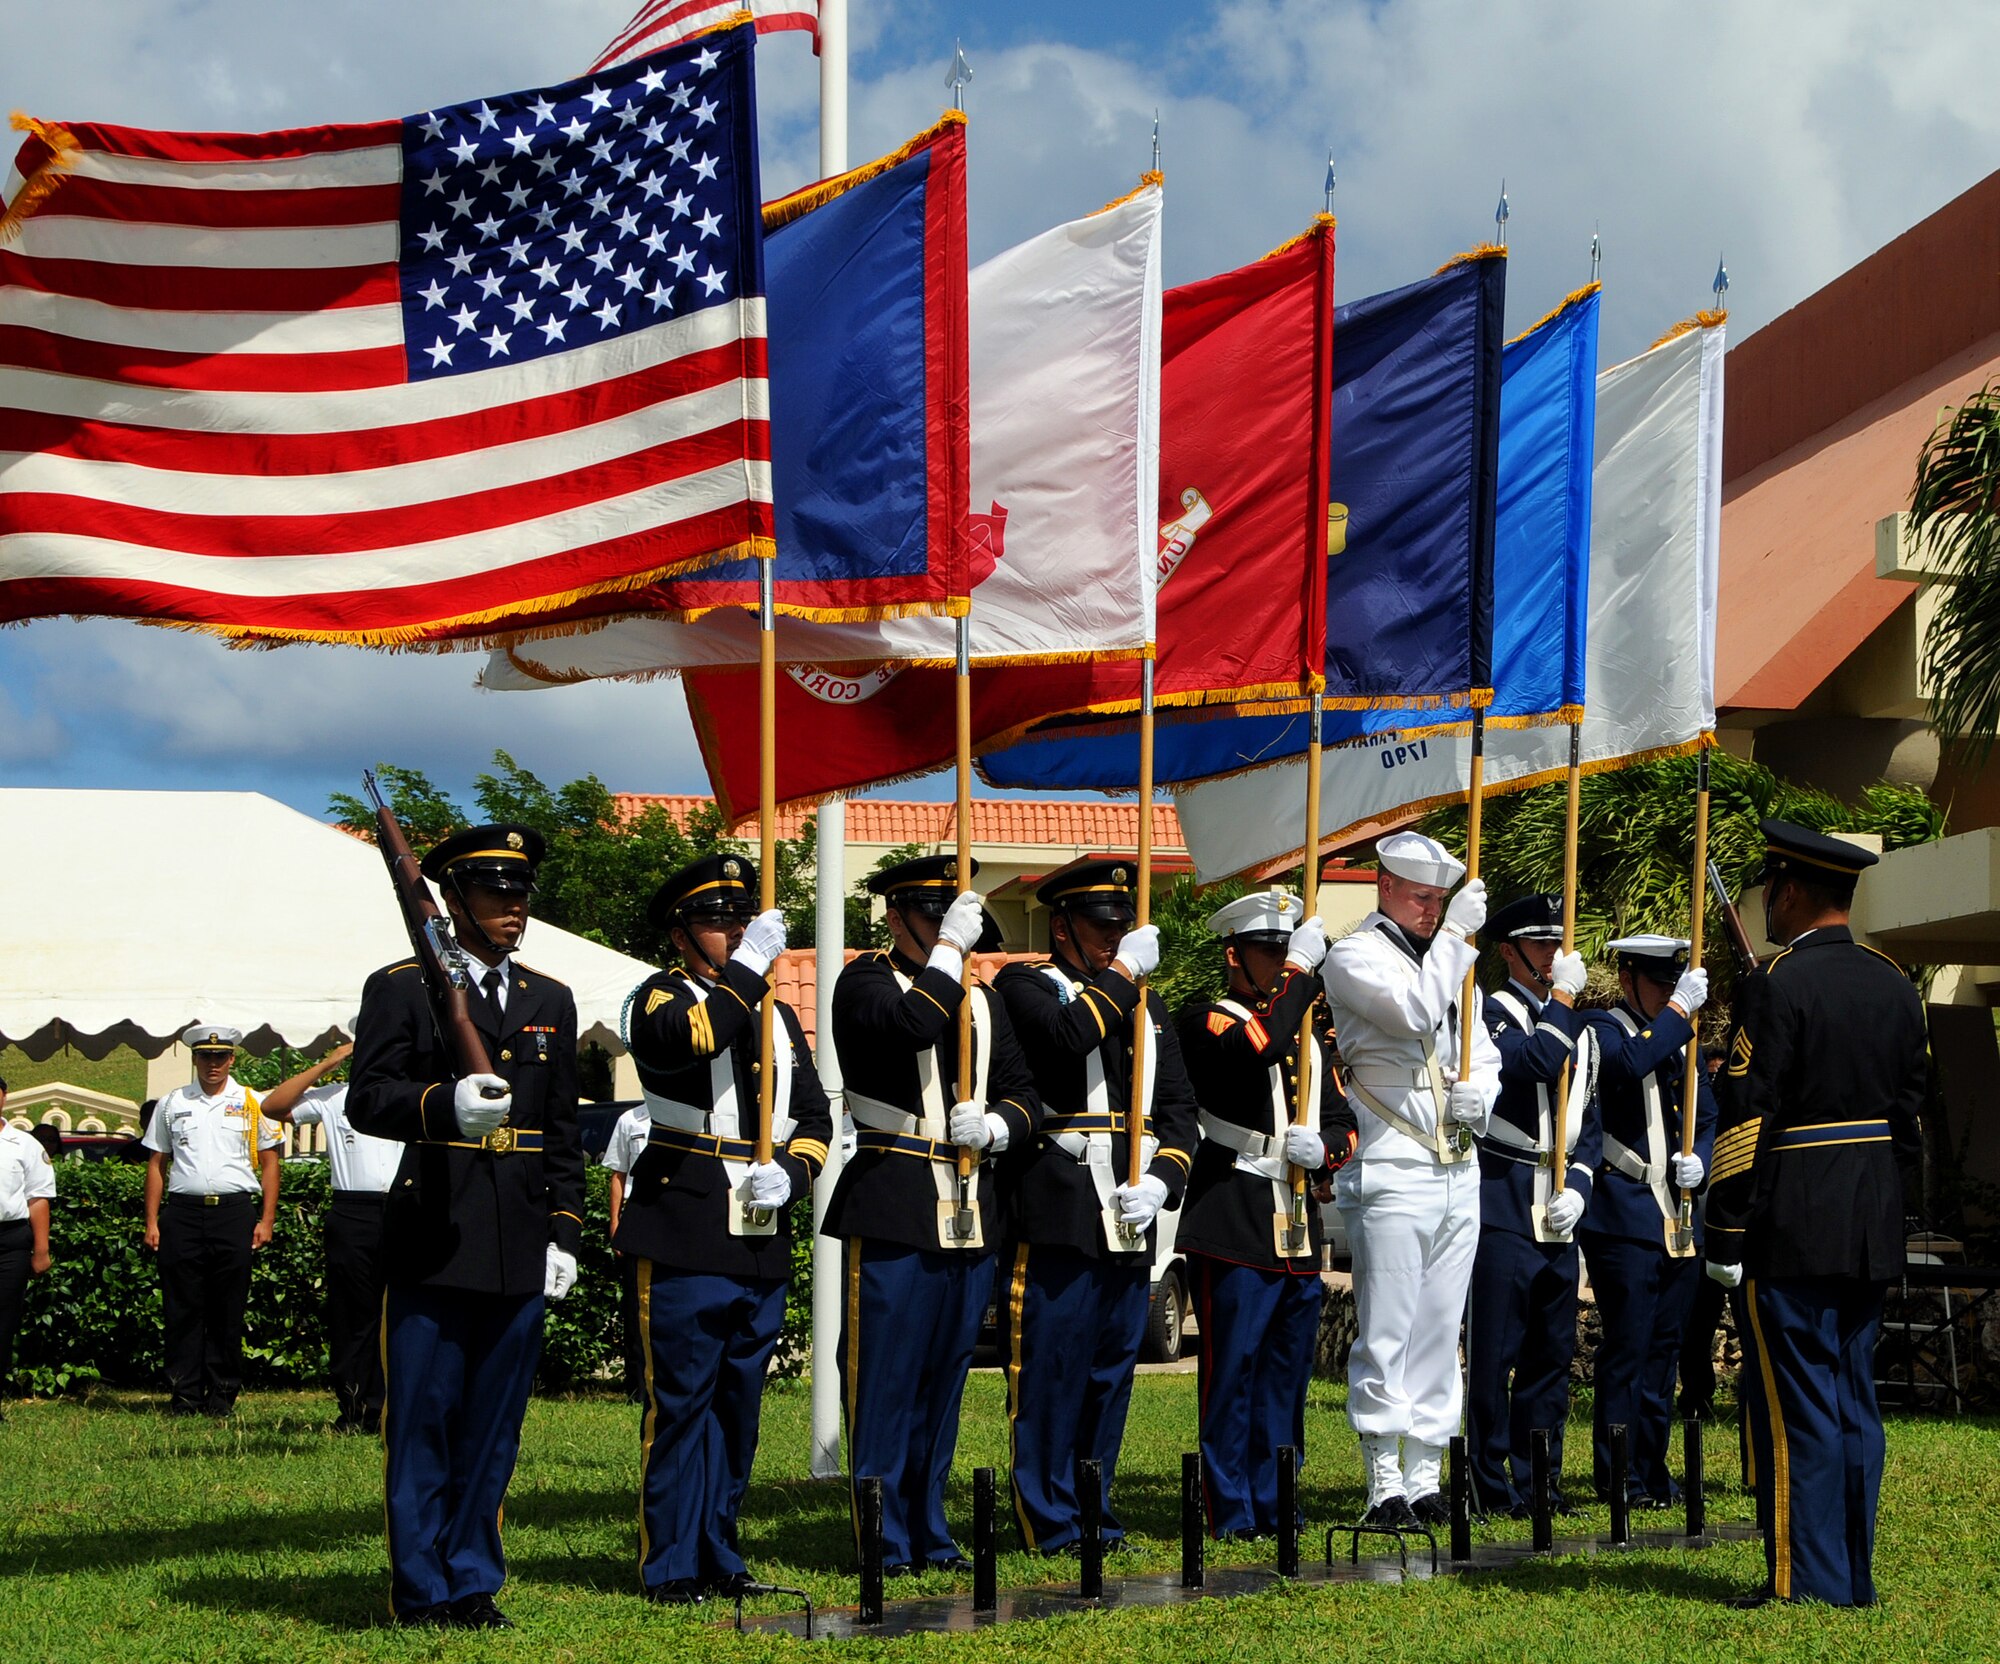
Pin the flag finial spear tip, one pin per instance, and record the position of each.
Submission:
(961, 74)
(1156, 138)
(1596, 252)
(1500, 214)
(1330, 181)
(1720, 286)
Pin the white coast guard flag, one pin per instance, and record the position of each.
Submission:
(1065, 423)
(1655, 541)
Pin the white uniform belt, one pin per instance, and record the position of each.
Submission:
(1622, 1156)
(1258, 1146)
(880, 1117)
(667, 1113)
(1378, 1079)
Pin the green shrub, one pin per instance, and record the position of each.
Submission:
(95, 1317)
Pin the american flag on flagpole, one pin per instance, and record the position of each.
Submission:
(402, 382)
(659, 23)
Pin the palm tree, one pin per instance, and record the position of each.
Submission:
(1955, 517)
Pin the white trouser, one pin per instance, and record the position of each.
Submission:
(1412, 1227)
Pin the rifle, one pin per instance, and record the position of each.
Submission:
(1739, 938)
(439, 957)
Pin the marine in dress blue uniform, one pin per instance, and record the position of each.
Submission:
(1521, 1330)
(483, 1225)
(915, 1288)
(1822, 1091)
(1079, 1258)
(1642, 1290)
(709, 1225)
(1257, 1306)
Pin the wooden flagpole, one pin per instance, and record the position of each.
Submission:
(763, 1220)
(963, 1222)
(1682, 1245)
(1559, 1147)
(1475, 803)
(1135, 1108)
(1297, 1235)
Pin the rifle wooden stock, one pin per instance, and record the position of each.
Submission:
(430, 940)
(1732, 921)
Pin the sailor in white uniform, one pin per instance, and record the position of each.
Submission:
(1410, 1196)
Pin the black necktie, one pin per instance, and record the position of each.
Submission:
(489, 988)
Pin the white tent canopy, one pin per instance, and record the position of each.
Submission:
(130, 915)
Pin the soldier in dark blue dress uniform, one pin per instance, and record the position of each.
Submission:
(1822, 1092)
(918, 1264)
(483, 1225)
(1521, 1332)
(1257, 1301)
(1080, 1245)
(709, 1225)
(1643, 1290)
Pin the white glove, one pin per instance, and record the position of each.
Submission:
(1729, 1276)
(770, 1186)
(1139, 951)
(1565, 1209)
(1568, 974)
(1465, 913)
(1687, 1171)
(1305, 1148)
(1691, 992)
(1307, 946)
(561, 1276)
(1466, 1104)
(971, 1127)
(477, 1115)
(1139, 1204)
(963, 921)
(763, 940)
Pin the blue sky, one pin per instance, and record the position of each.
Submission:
(1797, 135)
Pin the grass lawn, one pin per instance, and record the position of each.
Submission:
(122, 1074)
(126, 1536)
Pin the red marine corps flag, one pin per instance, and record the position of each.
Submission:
(393, 384)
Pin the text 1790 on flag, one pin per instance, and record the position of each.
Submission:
(400, 382)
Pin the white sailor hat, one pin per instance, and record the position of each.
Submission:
(202, 1037)
(1662, 958)
(1421, 860)
(1273, 914)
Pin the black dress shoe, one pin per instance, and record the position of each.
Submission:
(676, 1591)
(425, 1617)
(1392, 1513)
(951, 1563)
(733, 1585)
(1561, 1502)
(478, 1612)
(897, 1568)
(1751, 1601)
(1432, 1509)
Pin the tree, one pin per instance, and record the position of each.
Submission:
(1955, 517)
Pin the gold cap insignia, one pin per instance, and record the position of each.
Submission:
(732, 868)
(951, 869)
(515, 841)
(1118, 875)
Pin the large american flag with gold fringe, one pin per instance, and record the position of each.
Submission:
(396, 383)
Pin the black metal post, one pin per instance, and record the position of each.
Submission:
(869, 1607)
(1288, 1511)
(1691, 1478)
(1540, 1504)
(1461, 1500)
(985, 1547)
(1090, 1544)
(1621, 1501)
(1194, 1550)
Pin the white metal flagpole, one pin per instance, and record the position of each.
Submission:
(830, 887)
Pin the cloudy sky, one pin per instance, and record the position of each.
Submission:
(1795, 136)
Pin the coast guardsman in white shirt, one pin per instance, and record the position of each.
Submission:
(621, 1154)
(27, 1187)
(215, 1157)
(1410, 1196)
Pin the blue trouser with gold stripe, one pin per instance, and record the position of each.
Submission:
(708, 1341)
(1643, 1294)
(1808, 1384)
(910, 1321)
(1520, 1337)
(457, 1369)
(1258, 1329)
(1074, 1325)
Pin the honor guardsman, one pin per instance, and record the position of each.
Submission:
(483, 1225)
(1258, 1307)
(1080, 1250)
(1410, 1197)
(709, 1224)
(1642, 1290)
(916, 1285)
(1822, 1091)
(1521, 1331)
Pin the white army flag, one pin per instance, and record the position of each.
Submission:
(1655, 543)
(1064, 334)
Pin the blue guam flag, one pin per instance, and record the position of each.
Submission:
(1410, 546)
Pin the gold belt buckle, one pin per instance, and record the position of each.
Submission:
(500, 1140)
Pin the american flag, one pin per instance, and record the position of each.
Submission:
(659, 23)
(400, 382)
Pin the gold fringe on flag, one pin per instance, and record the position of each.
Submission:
(1687, 326)
(804, 200)
(1147, 181)
(1574, 298)
(49, 174)
(1320, 222)
(1479, 251)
